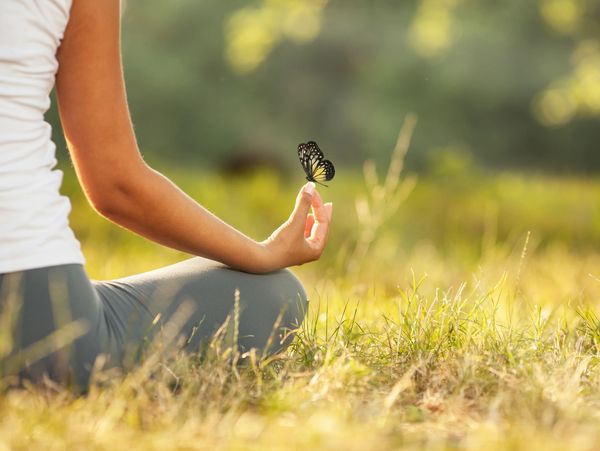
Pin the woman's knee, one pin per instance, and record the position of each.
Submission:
(294, 302)
(273, 313)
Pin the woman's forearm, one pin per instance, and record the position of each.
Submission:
(154, 207)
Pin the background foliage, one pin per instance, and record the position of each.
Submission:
(511, 83)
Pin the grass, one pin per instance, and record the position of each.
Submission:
(470, 321)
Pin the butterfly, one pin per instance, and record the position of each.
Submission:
(312, 160)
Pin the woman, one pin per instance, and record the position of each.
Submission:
(62, 321)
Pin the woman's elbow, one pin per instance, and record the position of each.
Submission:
(112, 198)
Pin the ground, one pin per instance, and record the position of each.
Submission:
(465, 319)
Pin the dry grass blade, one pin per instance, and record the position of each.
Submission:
(381, 201)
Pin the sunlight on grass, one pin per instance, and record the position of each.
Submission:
(473, 323)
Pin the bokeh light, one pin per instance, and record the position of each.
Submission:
(252, 32)
(432, 30)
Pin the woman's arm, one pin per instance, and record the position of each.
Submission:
(119, 184)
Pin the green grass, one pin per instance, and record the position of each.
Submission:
(469, 321)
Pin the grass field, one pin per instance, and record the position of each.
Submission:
(466, 319)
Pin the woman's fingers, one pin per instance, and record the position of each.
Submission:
(310, 220)
(302, 237)
(303, 203)
(318, 207)
(320, 229)
(329, 209)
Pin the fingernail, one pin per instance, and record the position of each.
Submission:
(309, 188)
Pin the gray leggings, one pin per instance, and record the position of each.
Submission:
(61, 321)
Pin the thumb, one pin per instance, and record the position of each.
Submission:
(303, 204)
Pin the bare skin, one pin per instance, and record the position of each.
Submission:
(123, 188)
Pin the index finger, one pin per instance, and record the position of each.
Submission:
(319, 210)
(320, 230)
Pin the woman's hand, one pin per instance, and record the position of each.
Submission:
(303, 236)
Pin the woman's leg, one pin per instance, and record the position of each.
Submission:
(55, 321)
(193, 298)
(51, 325)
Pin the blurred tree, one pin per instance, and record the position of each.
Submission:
(578, 93)
(252, 32)
(515, 83)
(433, 27)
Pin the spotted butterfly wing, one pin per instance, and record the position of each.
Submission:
(313, 162)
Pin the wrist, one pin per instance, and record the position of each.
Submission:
(261, 257)
(269, 256)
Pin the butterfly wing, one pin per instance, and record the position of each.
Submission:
(324, 171)
(310, 155)
(316, 168)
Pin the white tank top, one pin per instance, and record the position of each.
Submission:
(34, 226)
